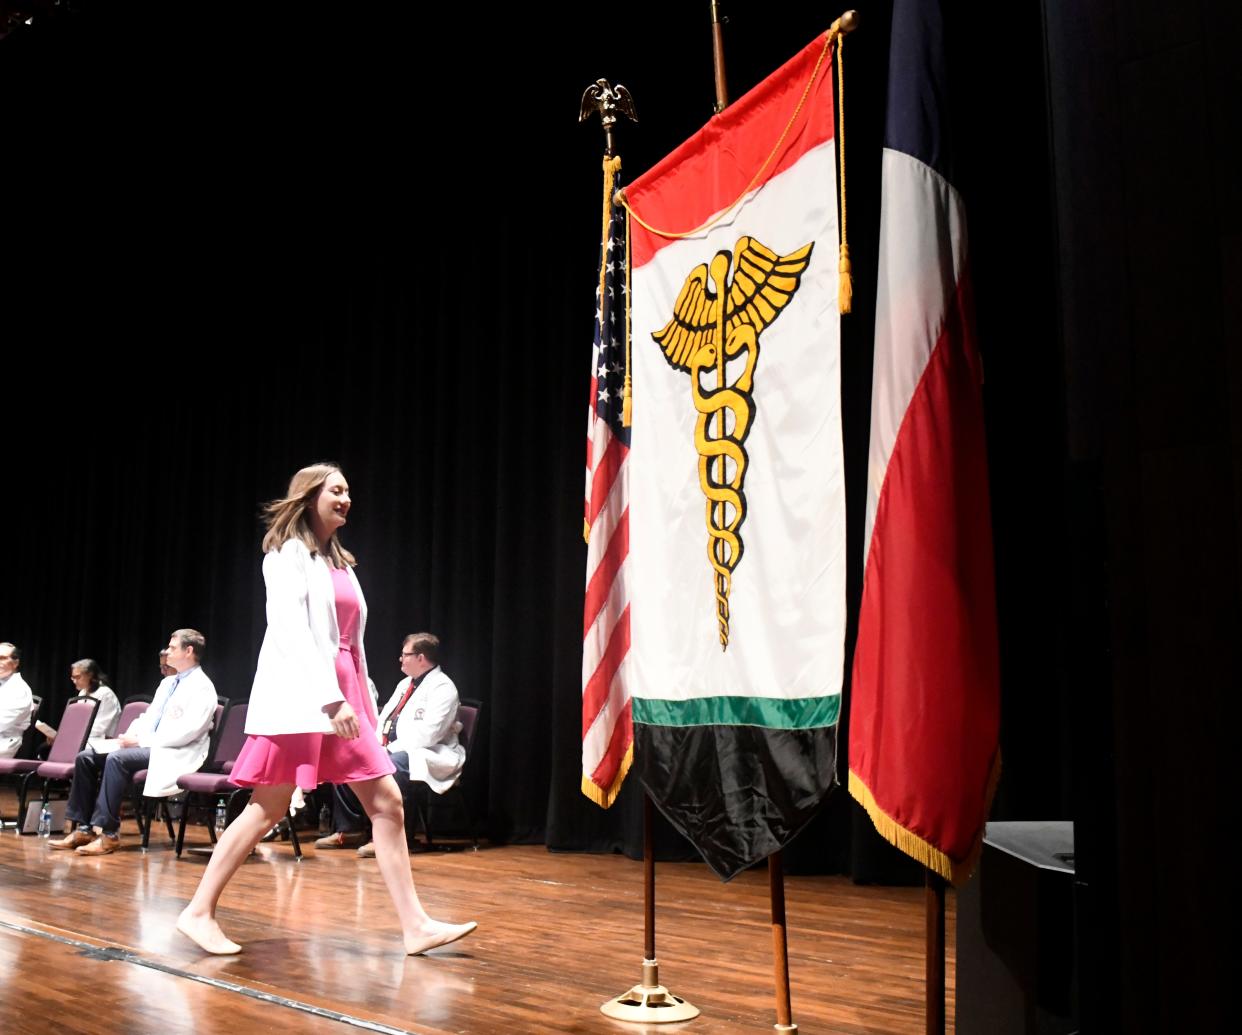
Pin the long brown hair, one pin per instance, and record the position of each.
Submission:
(287, 518)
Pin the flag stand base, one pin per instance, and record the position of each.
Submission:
(650, 1002)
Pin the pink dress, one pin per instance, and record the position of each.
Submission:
(309, 759)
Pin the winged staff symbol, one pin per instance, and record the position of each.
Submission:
(714, 337)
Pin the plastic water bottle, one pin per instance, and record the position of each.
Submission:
(45, 822)
(222, 818)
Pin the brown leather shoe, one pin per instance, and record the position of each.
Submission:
(74, 839)
(104, 844)
(339, 840)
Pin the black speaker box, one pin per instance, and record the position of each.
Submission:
(1015, 934)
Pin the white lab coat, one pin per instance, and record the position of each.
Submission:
(427, 730)
(106, 717)
(296, 673)
(15, 717)
(179, 746)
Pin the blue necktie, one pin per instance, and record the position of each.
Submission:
(172, 690)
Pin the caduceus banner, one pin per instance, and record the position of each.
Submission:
(737, 502)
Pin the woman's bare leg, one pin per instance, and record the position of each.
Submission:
(197, 921)
(382, 801)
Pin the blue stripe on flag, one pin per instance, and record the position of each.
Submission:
(918, 101)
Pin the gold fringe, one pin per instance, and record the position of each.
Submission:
(605, 797)
(956, 872)
(627, 404)
(845, 281)
(611, 167)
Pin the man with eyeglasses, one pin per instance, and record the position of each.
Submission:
(15, 701)
(419, 728)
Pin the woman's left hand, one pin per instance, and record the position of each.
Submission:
(344, 721)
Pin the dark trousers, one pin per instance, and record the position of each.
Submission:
(348, 815)
(102, 781)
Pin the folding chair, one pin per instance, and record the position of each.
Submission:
(145, 809)
(75, 728)
(62, 772)
(468, 714)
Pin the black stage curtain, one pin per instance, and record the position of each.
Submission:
(240, 242)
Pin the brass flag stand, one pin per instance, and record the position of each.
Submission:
(649, 1001)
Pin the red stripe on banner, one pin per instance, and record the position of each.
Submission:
(595, 693)
(925, 713)
(605, 474)
(605, 571)
(713, 167)
(622, 736)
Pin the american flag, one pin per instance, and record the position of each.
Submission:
(607, 731)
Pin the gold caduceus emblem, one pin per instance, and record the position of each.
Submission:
(714, 337)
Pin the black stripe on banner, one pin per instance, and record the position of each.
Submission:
(738, 793)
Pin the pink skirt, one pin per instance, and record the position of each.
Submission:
(309, 759)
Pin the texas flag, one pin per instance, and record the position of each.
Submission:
(925, 711)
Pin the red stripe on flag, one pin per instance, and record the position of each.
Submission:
(622, 736)
(609, 564)
(595, 693)
(720, 174)
(925, 715)
(605, 474)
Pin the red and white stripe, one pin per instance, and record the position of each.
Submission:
(607, 731)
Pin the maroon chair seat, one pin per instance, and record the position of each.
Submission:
(206, 783)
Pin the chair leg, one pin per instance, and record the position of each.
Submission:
(163, 807)
(22, 795)
(139, 807)
(422, 803)
(465, 807)
(293, 836)
(185, 811)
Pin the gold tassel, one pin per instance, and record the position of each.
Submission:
(845, 284)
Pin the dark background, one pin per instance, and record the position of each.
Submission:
(235, 241)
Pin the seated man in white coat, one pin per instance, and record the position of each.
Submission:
(15, 701)
(168, 740)
(419, 728)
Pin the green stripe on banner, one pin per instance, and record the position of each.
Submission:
(801, 713)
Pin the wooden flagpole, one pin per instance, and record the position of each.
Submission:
(648, 1001)
(933, 900)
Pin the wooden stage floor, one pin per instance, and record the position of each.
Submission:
(88, 945)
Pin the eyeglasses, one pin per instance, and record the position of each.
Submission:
(409, 654)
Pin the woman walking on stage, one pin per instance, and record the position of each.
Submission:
(311, 719)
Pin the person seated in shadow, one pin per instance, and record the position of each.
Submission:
(16, 701)
(418, 727)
